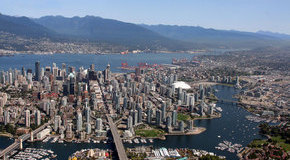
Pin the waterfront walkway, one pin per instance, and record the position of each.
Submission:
(117, 140)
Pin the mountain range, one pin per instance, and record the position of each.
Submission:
(218, 38)
(91, 31)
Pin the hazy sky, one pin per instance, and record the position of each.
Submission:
(244, 15)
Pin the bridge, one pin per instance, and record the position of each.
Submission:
(116, 137)
(22, 138)
(117, 140)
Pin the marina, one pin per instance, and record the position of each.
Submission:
(229, 146)
(258, 119)
(34, 154)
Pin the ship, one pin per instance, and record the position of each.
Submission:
(125, 52)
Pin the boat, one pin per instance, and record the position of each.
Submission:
(136, 141)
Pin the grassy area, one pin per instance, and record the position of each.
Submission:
(149, 133)
(257, 143)
(281, 142)
(183, 117)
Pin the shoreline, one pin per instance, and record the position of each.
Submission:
(204, 118)
(195, 131)
(5, 134)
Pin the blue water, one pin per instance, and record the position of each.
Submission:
(85, 60)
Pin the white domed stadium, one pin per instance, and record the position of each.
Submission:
(181, 84)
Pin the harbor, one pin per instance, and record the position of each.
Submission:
(169, 153)
(229, 146)
(34, 154)
(259, 119)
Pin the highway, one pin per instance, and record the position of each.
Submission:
(117, 140)
(24, 137)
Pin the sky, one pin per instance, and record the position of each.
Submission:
(243, 15)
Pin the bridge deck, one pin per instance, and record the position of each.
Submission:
(117, 140)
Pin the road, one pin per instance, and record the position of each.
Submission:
(117, 140)
(116, 137)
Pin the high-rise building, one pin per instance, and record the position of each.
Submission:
(1, 109)
(158, 117)
(191, 102)
(129, 122)
(163, 109)
(139, 109)
(135, 117)
(88, 128)
(107, 73)
(174, 117)
(69, 133)
(37, 71)
(57, 122)
(168, 122)
(27, 118)
(6, 117)
(202, 107)
(212, 106)
(92, 67)
(137, 71)
(125, 103)
(181, 126)
(23, 72)
(79, 121)
(149, 115)
(88, 114)
(190, 125)
(99, 124)
(201, 92)
(37, 118)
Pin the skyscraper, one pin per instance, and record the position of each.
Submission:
(37, 71)
(129, 122)
(174, 117)
(149, 115)
(99, 124)
(168, 122)
(79, 121)
(57, 122)
(139, 109)
(37, 118)
(6, 117)
(88, 128)
(88, 114)
(107, 73)
(135, 117)
(27, 118)
(163, 109)
(158, 117)
(190, 125)
(125, 103)
(181, 126)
